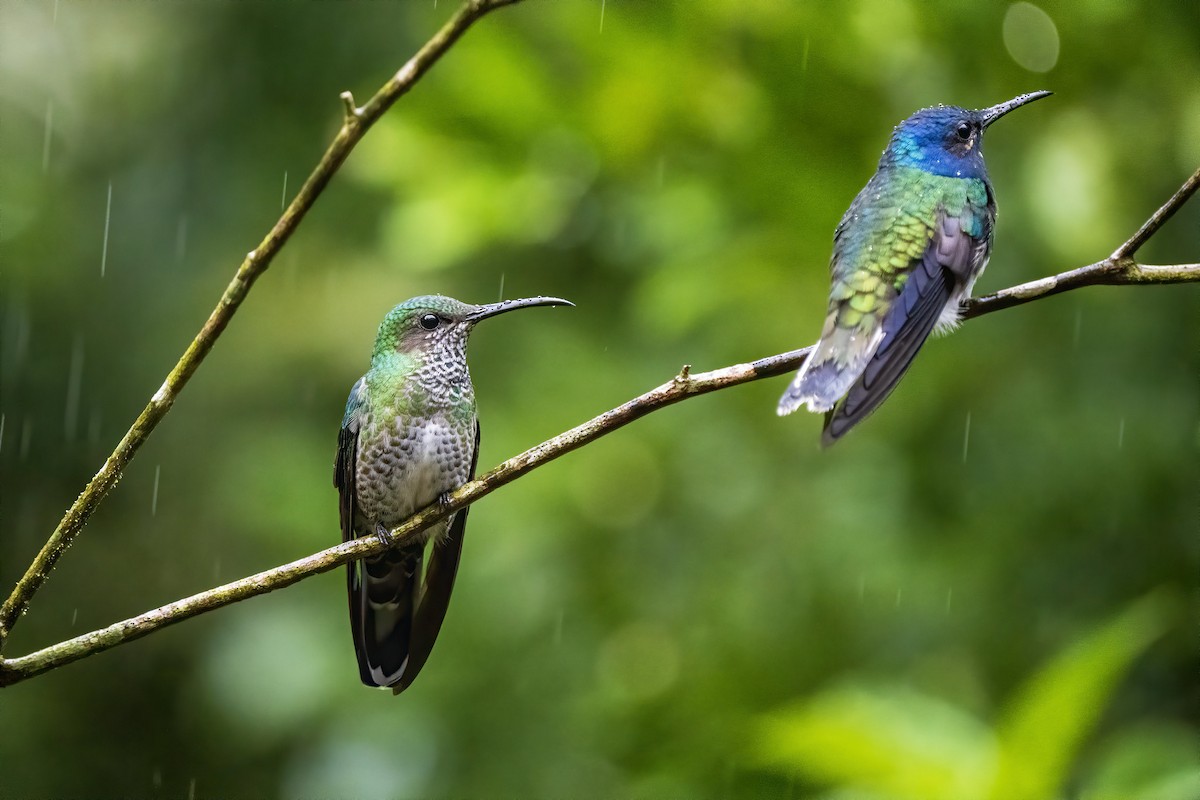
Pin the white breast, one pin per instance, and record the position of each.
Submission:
(407, 467)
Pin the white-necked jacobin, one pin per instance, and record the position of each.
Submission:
(905, 257)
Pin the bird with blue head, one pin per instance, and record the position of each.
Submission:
(905, 256)
(409, 436)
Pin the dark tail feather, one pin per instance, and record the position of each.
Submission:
(435, 598)
(439, 583)
(905, 329)
(383, 605)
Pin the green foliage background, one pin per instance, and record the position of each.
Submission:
(701, 605)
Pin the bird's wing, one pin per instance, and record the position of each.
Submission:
(346, 461)
(909, 320)
(880, 234)
(439, 583)
(382, 589)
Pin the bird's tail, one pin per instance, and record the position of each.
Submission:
(395, 620)
(384, 591)
(926, 297)
(832, 367)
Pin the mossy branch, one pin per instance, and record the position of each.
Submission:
(1119, 269)
(355, 123)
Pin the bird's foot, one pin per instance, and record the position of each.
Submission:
(443, 500)
(383, 534)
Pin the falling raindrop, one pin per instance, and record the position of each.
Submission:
(966, 438)
(156, 778)
(804, 56)
(93, 433)
(107, 217)
(26, 438)
(949, 597)
(602, 16)
(49, 130)
(1, 433)
(662, 171)
(16, 335)
(74, 616)
(1121, 434)
(23, 334)
(54, 18)
(192, 789)
(74, 379)
(154, 497)
(283, 195)
(899, 595)
(501, 297)
(181, 238)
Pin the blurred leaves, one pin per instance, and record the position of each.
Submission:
(1149, 762)
(892, 741)
(626, 620)
(901, 744)
(1047, 719)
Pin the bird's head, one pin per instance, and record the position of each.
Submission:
(435, 323)
(948, 140)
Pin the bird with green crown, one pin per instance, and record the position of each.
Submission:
(905, 257)
(409, 436)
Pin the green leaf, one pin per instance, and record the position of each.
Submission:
(889, 740)
(1153, 761)
(1047, 720)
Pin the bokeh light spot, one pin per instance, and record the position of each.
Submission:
(1031, 37)
(1072, 189)
(639, 662)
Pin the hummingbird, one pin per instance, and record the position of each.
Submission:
(409, 436)
(905, 256)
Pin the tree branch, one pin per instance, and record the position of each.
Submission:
(1119, 270)
(679, 388)
(1151, 226)
(355, 123)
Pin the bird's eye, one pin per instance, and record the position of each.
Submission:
(963, 131)
(430, 321)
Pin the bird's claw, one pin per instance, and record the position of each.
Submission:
(443, 500)
(383, 534)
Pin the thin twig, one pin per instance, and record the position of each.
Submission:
(1127, 250)
(1119, 269)
(682, 386)
(1116, 270)
(355, 123)
(678, 388)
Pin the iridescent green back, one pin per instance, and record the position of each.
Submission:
(886, 229)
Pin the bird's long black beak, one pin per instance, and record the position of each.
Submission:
(989, 115)
(504, 306)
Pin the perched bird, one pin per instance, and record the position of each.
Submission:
(905, 256)
(408, 438)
